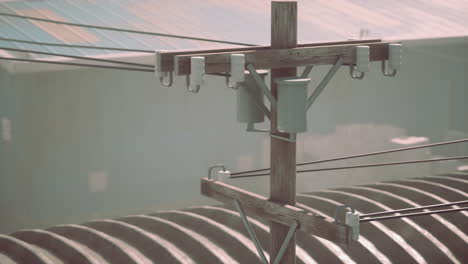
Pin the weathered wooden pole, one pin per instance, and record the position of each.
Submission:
(282, 153)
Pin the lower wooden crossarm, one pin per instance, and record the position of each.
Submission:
(281, 213)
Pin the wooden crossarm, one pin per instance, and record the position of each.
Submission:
(282, 213)
(165, 60)
(280, 58)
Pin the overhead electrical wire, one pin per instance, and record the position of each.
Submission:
(79, 64)
(362, 155)
(412, 214)
(123, 30)
(73, 45)
(79, 57)
(359, 166)
(413, 209)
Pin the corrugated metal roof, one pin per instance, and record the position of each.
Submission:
(240, 20)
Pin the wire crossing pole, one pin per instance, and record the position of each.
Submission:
(282, 153)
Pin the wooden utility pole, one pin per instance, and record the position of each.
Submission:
(283, 56)
(282, 153)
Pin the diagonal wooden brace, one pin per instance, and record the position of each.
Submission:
(282, 213)
(251, 232)
(285, 243)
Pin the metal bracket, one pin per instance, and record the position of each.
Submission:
(261, 84)
(315, 94)
(257, 244)
(307, 71)
(161, 75)
(251, 128)
(161, 79)
(235, 87)
(290, 138)
(384, 72)
(187, 80)
(352, 69)
(213, 167)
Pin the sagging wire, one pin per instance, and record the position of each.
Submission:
(362, 155)
(359, 166)
(414, 209)
(78, 57)
(122, 29)
(381, 218)
(78, 64)
(385, 164)
(73, 45)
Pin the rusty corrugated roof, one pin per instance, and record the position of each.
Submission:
(240, 20)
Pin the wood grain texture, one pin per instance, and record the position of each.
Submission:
(282, 57)
(282, 153)
(277, 212)
(166, 60)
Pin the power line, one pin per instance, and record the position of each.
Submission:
(123, 30)
(363, 155)
(79, 57)
(385, 164)
(78, 64)
(358, 166)
(414, 209)
(74, 45)
(412, 214)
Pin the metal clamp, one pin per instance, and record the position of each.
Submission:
(384, 72)
(235, 87)
(213, 167)
(348, 216)
(362, 63)
(352, 69)
(160, 74)
(394, 60)
(197, 76)
(171, 80)
(251, 128)
(290, 138)
(189, 88)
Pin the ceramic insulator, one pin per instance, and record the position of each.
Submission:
(197, 75)
(362, 59)
(237, 69)
(394, 56)
(223, 176)
(158, 73)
